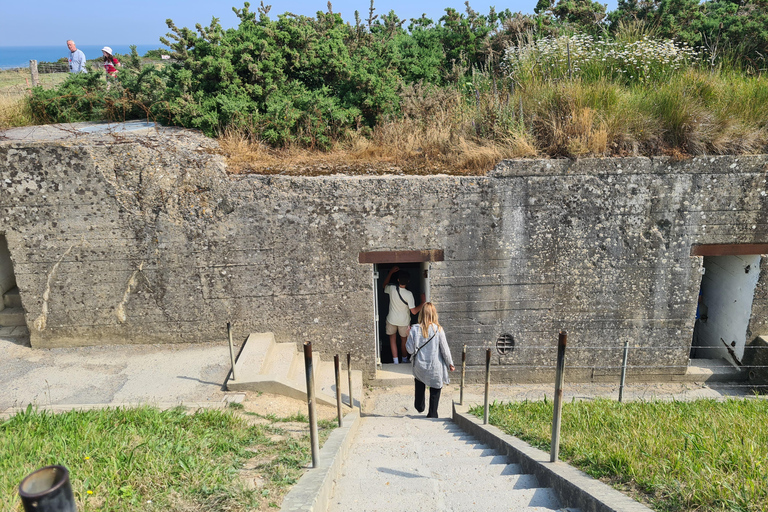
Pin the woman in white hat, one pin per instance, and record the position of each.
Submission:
(110, 61)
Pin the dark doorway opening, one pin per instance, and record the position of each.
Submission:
(418, 285)
(417, 264)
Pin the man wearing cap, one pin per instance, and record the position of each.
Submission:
(76, 58)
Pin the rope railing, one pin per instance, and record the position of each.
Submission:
(560, 366)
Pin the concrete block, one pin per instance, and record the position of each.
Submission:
(10, 317)
(11, 298)
(756, 363)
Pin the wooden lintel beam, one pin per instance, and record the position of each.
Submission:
(728, 249)
(401, 256)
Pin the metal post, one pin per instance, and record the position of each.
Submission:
(231, 349)
(349, 374)
(487, 383)
(48, 490)
(311, 402)
(623, 371)
(338, 387)
(33, 72)
(463, 372)
(559, 376)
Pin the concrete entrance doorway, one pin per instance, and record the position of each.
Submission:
(725, 306)
(417, 265)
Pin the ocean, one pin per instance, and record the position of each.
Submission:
(19, 56)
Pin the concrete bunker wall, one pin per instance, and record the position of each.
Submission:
(150, 241)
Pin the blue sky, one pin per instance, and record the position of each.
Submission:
(92, 22)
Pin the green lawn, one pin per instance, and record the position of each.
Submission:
(143, 459)
(704, 455)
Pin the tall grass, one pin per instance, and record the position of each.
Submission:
(571, 97)
(14, 96)
(143, 459)
(677, 456)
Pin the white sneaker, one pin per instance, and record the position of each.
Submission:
(396, 361)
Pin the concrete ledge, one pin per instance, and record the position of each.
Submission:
(59, 408)
(313, 490)
(574, 488)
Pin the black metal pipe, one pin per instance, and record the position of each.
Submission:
(559, 378)
(47, 490)
(623, 371)
(338, 386)
(463, 373)
(349, 374)
(311, 403)
(487, 383)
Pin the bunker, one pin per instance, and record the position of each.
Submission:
(137, 234)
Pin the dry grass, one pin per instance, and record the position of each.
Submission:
(395, 148)
(436, 134)
(14, 90)
(14, 111)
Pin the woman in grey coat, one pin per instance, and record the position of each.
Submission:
(431, 358)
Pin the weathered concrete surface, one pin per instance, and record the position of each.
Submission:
(144, 238)
(85, 377)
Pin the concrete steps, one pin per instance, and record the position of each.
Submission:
(12, 317)
(11, 312)
(11, 298)
(412, 463)
(278, 368)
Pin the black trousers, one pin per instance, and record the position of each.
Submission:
(434, 399)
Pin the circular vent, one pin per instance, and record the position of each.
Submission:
(505, 344)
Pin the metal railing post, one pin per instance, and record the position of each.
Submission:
(487, 383)
(623, 371)
(349, 374)
(338, 387)
(311, 402)
(231, 349)
(559, 376)
(463, 373)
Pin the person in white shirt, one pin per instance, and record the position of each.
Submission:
(401, 305)
(76, 58)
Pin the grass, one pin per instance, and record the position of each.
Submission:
(704, 455)
(143, 459)
(14, 89)
(692, 112)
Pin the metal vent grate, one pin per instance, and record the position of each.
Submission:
(505, 344)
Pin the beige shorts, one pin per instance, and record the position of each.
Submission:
(402, 329)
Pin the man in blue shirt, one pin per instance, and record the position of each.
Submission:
(76, 58)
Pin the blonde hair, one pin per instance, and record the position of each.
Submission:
(427, 317)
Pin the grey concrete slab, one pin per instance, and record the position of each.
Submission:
(112, 375)
(406, 460)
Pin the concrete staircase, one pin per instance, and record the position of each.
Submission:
(12, 323)
(278, 368)
(413, 463)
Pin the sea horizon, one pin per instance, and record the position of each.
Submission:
(19, 56)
